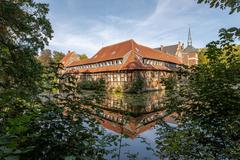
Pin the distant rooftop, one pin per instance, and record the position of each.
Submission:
(190, 49)
(171, 49)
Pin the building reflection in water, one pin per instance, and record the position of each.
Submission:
(130, 114)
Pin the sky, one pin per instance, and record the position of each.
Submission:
(85, 26)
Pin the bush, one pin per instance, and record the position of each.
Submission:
(101, 85)
(118, 89)
(138, 84)
(93, 85)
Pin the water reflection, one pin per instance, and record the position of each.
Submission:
(130, 114)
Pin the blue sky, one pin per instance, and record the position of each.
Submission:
(85, 26)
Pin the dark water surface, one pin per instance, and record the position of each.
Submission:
(133, 117)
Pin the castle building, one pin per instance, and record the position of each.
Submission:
(121, 64)
(188, 56)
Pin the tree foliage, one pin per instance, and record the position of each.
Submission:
(37, 120)
(202, 59)
(83, 56)
(54, 125)
(233, 5)
(207, 105)
(99, 85)
(138, 84)
(44, 117)
(24, 29)
(206, 102)
(45, 57)
(58, 56)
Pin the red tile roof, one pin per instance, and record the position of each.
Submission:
(79, 62)
(65, 58)
(131, 53)
(150, 53)
(133, 63)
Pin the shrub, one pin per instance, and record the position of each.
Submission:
(118, 89)
(101, 85)
(93, 85)
(138, 84)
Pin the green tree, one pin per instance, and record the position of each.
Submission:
(138, 84)
(58, 56)
(38, 122)
(206, 104)
(24, 29)
(83, 56)
(45, 57)
(202, 59)
(233, 5)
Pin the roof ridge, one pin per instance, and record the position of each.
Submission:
(118, 43)
(136, 49)
(131, 41)
(170, 45)
(115, 44)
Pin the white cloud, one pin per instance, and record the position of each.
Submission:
(167, 24)
(74, 42)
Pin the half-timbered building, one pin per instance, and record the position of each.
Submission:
(120, 64)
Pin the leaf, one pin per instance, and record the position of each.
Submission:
(12, 158)
(70, 158)
(6, 150)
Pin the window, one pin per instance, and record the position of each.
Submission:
(119, 61)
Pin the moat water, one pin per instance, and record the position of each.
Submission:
(134, 118)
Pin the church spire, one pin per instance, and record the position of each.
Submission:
(189, 42)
